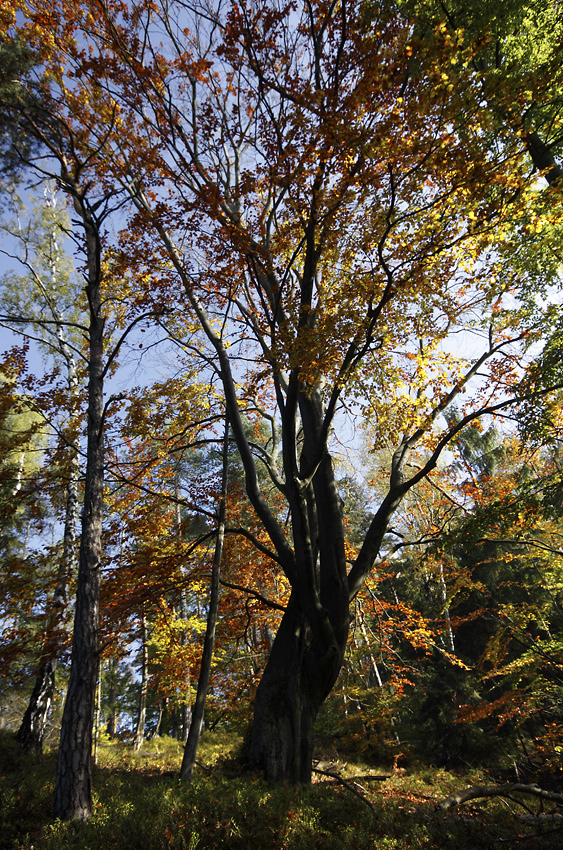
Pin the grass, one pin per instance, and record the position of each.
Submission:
(140, 804)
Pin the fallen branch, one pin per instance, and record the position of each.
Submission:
(541, 817)
(476, 791)
(351, 787)
(371, 777)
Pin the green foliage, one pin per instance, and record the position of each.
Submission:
(429, 720)
(16, 61)
(42, 294)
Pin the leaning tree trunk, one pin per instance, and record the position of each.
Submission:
(73, 791)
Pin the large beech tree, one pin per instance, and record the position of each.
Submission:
(321, 188)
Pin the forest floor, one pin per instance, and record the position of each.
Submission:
(140, 804)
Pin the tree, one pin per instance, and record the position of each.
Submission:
(62, 159)
(26, 501)
(513, 51)
(293, 221)
(41, 303)
(315, 181)
(194, 734)
(509, 619)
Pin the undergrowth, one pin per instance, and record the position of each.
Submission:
(140, 804)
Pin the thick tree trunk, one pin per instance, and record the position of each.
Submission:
(298, 677)
(73, 792)
(309, 647)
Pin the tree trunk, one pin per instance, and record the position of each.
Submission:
(141, 717)
(73, 791)
(185, 710)
(161, 709)
(98, 714)
(198, 712)
(186, 715)
(298, 677)
(308, 650)
(32, 729)
(111, 720)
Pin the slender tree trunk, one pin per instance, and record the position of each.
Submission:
(31, 732)
(444, 594)
(73, 791)
(111, 720)
(198, 711)
(97, 714)
(161, 708)
(186, 711)
(142, 713)
(32, 729)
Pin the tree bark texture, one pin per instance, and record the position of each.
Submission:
(32, 730)
(73, 792)
(298, 677)
(185, 710)
(309, 647)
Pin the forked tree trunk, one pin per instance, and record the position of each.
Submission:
(32, 730)
(298, 677)
(308, 650)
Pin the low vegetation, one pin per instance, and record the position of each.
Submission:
(140, 804)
